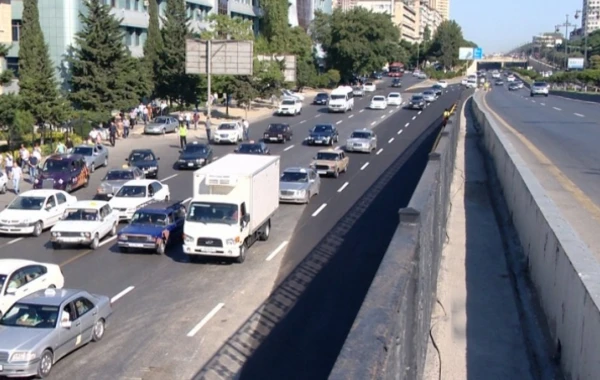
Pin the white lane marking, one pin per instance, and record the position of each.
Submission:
(414, 117)
(379, 151)
(406, 125)
(382, 116)
(543, 104)
(350, 117)
(578, 114)
(121, 294)
(533, 101)
(400, 131)
(373, 123)
(205, 320)
(303, 121)
(14, 241)
(186, 200)
(364, 166)
(418, 113)
(318, 115)
(339, 122)
(288, 148)
(169, 177)
(277, 250)
(556, 108)
(319, 209)
(391, 140)
(361, 111)
(107, 241)
(342, 187)
(391, 112)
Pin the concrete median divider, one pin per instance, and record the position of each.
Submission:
(586, 97)
(562, 269)
(388, 339)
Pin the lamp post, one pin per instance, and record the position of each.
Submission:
(584, 21)
(567, 24)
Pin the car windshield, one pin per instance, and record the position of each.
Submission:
(368, 84)
(250, 148)
(275, 128)
(141, 156)
(160, 120)
(288, 103)
(357, 89)
(143, 217)
(322, 128)
(539, 84)
(2, 280)
(294, 177)
(195, 148)
(206, 212)
(226, 127)
(417, 98)
(322, 95)
(324, 156)
(336, 97)
(27, 203)
(360, 135)
(84, 150)
(56, 166)
(378, 99)
(393, 95)
(118, 175)
(132, 192)
(81, 214)
(427, 92)
(30, 316)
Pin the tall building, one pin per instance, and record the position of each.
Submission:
(590, 18)
(345, 4)
(302, 12)
(5, 31)
(59, 20)
(442, 6)
(406, 18)
(548, 40)
(429, 18)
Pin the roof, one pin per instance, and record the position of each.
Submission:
(363, 130)
(39, 193)
(162, 206)
(9, 265)
(296, 169)
(141, 150)
(124, 168)
(65, 157)
(393, 93)
(139, 182)
(237, 164)
(330, 150)
(50, 297)
(89, 204)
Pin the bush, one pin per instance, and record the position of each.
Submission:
(333, 77)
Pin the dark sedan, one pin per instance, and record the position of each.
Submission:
(278, 133)
(146, 160)
(194, 156)
(253, 148)
(417, 102)
(396, 82)
(323, 134)
(321, 99)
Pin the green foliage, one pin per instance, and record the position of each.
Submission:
(4, 49)
(306, 74)
(268, 78)
(595, 62)
(172, 81)
(37, 81)
(153, 45)
(526, 74)
(426, 34)
(446, 43)
(101, 66)
(333, 77)
(6, 77)
(9, 104)
(23, 123)
(439, 74)
(228, 28)
(275, 25)
(584, 77)
(244, 92)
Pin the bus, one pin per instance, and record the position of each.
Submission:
(396, 70)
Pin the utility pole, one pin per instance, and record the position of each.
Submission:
(567, 24)
(208, 77)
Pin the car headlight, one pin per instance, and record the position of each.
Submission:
(122, 237)
(131, 209)
(200, 160)
(36, 181)
(56, 234)
(22, 356)
(188, 238)
(182, 161)
(86, 235)
(232, 241)
(301, 193)
(152, 168)
(60, 181)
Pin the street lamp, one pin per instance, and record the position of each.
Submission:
(584, 20)
(567, 24)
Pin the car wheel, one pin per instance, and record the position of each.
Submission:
(161, 247)
(99, 329)
(37, 229)
(55, 245)
(163, 131)
(307, 199)
(336, 173)
(266, 232)
(95, 242)
(86, 183)
(105, 164)
(46, 363)
(166, 198)
(113, 230)
(242, 257)
(546, 95)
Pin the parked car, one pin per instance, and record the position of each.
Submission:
(278, 132)
(292, 94)
(95, 155)
(3, 182)
(229, 133)
(66, 172)
(161, 125)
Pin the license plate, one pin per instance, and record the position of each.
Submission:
(209, 249)
(321, 172)
(318, 142)
(190, 164)
(136, 245)
(273, 139)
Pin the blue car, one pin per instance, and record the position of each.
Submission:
(153, 227)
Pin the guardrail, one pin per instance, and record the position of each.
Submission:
(389, 337)
(564, 272)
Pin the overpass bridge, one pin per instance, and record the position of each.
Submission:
(491, 63)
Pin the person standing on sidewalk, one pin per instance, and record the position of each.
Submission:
(34, 161)
(182, 135)
(24, 156)
(125, 128)
(188, 119)
(246, 126)
(17, 174)
(196, 119)
(208, 131)
(8, 165)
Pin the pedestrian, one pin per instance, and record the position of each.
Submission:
(246, 126)
(145, 114)
(196, 119)
(125, 128)
(34, 162)
(113, 133)
(9, 163)
(181, 119)
(69, 145)
(132, 117)
(182, 136)
(23, 156)
(207, 126)
(17, 174)
(188, 119)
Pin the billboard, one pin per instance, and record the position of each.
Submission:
(289, 61)
(228, 57)
(465, 53)
(575, 63)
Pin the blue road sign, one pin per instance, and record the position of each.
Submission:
(477, 53)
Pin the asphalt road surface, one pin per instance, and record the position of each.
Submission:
(558, 137)
(171, 316)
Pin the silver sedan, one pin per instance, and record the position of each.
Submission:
(298, 185)
(95, 155)
(116, 178)
(161, 125)
(43, 327)
(362, 140)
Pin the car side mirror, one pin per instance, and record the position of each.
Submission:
(65, 324)
(11, 291)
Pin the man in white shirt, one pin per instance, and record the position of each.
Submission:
(246, 126)
(24, 154)
(145, 115)
(17, 174)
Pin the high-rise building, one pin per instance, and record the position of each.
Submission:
(590, 18)
(345, 4)
(406, 19)
(59, 20)
(442, 6)
(429, 18)
(302, 12)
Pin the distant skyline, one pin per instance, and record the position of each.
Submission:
(502, 26)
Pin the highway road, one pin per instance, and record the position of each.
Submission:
(171, 316)
(559, 138)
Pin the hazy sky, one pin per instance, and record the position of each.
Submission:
(499, 26)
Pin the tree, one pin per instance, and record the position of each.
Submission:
(426, 34)
(37, 80)
(172, 81)
(446, 43)
(6, 76)
(268, 77)
(595, 62)
(9, 103)
(101, 66)
(244, 93)
(153, 44)
(275, 26)
(228, 28)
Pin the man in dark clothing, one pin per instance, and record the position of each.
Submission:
(208, 129)
(113, 133)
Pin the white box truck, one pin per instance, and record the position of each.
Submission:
(232, 205)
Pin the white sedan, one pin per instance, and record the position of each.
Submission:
(394, 99)
(442, 84)
(85, 223)
(229, 133)
(292, 94)
(378, 103)
(290, 106)
(20, 278)
(33, 211)
(135, 194)
(369, 87)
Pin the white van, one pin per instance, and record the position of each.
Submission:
(341, 99)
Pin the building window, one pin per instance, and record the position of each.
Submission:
(223, 8)
(127, 4)
(16, 30)
(137, 37)
(12, 63)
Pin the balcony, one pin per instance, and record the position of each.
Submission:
(133, 19)
(197, 26)
(245, 9)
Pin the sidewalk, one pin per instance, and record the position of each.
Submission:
(475, 324)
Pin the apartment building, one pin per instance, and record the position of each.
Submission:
(406, 18)
(428, 17)
(442, 6)
(549, 40)
(302, 12)
(59, 20)
(590, 18)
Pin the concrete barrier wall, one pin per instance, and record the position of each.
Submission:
(562, 269)
(568, 94)
(389, 337)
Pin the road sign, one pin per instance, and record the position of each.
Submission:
(477, 53)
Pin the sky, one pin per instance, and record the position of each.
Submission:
(499, 26)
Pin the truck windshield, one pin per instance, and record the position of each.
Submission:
(394, 69)
(208, 212)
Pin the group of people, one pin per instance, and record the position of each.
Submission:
(26, 162)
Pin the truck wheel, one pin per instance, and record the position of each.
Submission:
(242, 257)
(264, 236)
